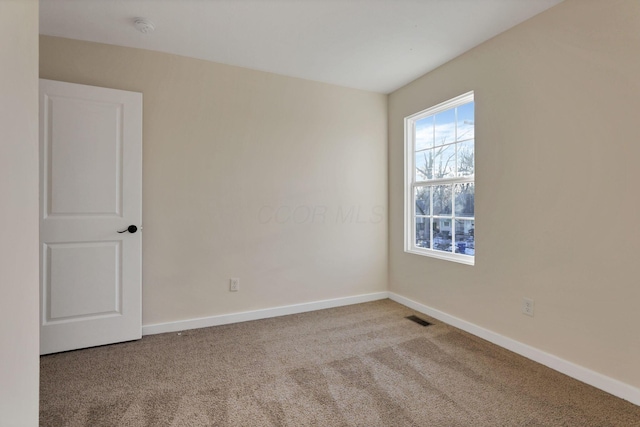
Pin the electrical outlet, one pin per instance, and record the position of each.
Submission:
(527, 306)
(234, 284)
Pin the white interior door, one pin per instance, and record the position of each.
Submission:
(90, 189)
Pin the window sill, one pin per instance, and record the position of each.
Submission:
(462, 259)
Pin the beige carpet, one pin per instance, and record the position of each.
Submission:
(363, 365)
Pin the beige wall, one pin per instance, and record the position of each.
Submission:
(557, 110)
(19, 362)
(278, 181)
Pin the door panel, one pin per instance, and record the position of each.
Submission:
(86, 178)
(91, 188)
(81, 280)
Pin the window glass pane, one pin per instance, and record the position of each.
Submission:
(424, 133)
(424, 165)
(423, 202)
(466, 158)
(465, 199)
(423, 232)
(465, 237)
(445, 127)
(442, 199)
(444, 161)
(465, 122)
(442, 234)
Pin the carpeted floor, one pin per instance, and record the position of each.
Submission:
(362, 365)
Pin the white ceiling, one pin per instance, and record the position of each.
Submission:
(376, 45)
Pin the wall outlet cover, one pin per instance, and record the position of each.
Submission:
(527, 306)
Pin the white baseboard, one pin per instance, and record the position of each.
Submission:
(224, 319)
(580, 373)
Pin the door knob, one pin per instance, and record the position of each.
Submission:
(131, 229)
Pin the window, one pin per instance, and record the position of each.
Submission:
(439, 185)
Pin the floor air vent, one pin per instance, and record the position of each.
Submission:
(418, 320)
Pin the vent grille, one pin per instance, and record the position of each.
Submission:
(418, 320)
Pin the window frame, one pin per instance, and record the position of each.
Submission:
(411, 183)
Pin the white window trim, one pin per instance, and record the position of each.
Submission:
(409, 182)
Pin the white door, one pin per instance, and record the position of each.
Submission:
(90, 190)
